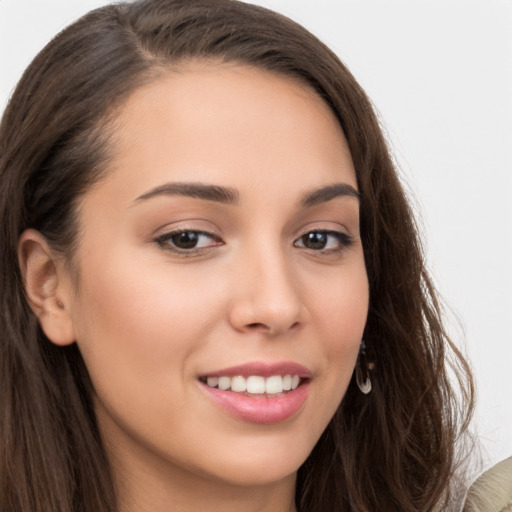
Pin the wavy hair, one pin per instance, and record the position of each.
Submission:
(394, 449)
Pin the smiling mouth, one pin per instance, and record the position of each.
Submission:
(259, 392)
(255, 385)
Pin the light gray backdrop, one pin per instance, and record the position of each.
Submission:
(440, 74)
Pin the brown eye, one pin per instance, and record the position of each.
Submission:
(315, 240)
(324, 241)
(188, 240)
(185, 240)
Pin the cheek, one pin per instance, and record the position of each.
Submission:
(341, 308)
(133, 318)
(138, 289)
(138, 330)
(338, 313)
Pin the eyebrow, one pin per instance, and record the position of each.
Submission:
(225, 195)
(325, 194)
(228, 195)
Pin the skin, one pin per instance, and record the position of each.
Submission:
(149, 320)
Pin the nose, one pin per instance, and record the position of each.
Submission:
(267, 296)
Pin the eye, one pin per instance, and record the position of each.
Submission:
(328, 241)
(188, 241)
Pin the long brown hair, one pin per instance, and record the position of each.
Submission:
(394, 449)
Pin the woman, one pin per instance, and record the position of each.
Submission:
(202, 224)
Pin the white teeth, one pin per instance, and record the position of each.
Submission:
(224, 383)
(212, 381)
(274, 385)
(238, 384)
(255, 384)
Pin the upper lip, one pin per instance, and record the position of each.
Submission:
(262, 369)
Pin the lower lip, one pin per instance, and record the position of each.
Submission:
(260, 409)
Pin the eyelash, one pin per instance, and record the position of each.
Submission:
(166, 241)
(343, 240)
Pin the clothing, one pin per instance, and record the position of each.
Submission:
(492, 491)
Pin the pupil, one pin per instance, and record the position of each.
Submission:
(186, 240)
(315, 240)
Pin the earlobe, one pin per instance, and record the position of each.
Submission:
(46, 287)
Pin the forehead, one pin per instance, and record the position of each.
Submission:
(231, 125)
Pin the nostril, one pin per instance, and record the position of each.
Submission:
(257, 325)
(260, 326)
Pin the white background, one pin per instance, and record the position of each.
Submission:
(440, 74)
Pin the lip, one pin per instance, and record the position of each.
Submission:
(263, 369)
(261, 409)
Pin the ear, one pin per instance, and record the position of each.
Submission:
(47, 285)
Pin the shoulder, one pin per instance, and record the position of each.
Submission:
(492, 491)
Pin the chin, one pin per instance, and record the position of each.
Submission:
(262, 461)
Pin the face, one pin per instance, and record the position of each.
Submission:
(222, 291)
